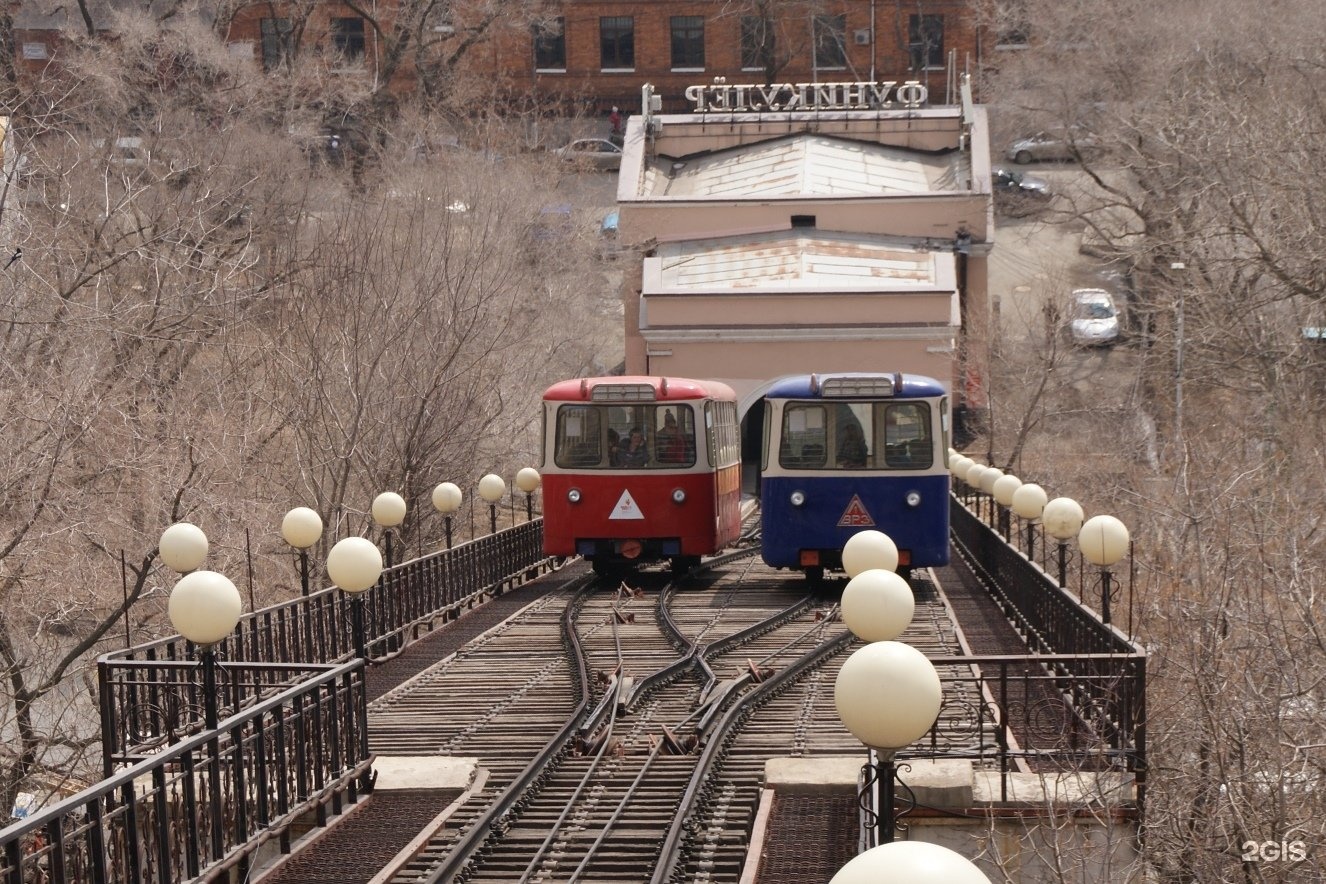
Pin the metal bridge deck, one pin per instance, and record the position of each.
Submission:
(812, 836)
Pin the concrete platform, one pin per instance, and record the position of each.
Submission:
(399, 773)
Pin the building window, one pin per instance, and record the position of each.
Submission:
(757, 42)
(276, 34)
(925, 36)
(688, 41)
(550, 45)
(830, 41)
(35, 51)
(348, 37)
(617, 42)
(1012, 28)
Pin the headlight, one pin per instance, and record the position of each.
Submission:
(573, 495)
(678, 496)
(913, 498)
(798, 498)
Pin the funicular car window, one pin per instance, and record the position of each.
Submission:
(851, 431)
(625, 436)
(803, 437)
(908, 444)
(579, 436)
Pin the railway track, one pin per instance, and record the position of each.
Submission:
(585, 761)
(607, 731)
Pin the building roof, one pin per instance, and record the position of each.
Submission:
(796, 259)
(804, 164)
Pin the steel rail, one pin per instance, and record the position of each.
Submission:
(673, 843)
(469, 845)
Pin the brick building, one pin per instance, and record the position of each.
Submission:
(608, 50)
(596, 52)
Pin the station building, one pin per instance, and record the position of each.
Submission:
(805, 228)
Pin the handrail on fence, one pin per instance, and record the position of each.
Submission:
(210, 799)
(141, 697)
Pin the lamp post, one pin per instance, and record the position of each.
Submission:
(967, 471)
(957, 467)
(1103, 541)
(355, 564)
(388, 511)
(1062, 518)
(446, 500)
(988, 477)
(183, 547)
(973, 479)
(302, 528)
(1003, 490)
(204, 607)
(1178, 359)
(910, 862)
(1028, 502)
(491, 489)
(528, 481)
(887, 694)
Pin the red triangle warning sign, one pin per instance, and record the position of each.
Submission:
(855, 516)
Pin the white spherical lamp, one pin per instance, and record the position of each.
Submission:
(447, 497)
(301, 527)
(1004, 488)
(354, 564)
(183, 547)
(388, 509)
(877, 605)
(204, 607)
(1062, 518)
(1029, 500)
(1103, 540)
(907, 862)
(989, 477)
(492, 487)
(973, 474)
(869, 549)
(888, 695)
(528, 479)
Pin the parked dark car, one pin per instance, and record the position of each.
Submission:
(1017, 192)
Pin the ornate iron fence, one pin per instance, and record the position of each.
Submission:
(148, 694)
(1051, 619)
(209, 801)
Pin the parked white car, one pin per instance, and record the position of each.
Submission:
(596, 153)
(1093, 318)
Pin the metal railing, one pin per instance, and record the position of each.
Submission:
(149, 694)
(1041, 713)
(208, 802)
(1050, 619)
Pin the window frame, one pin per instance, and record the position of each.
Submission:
(281, 44)
(920, 28)
(551, 34)
(622, 43)
(755, 27)
(686, 32)
(829, 32)
(351, 45)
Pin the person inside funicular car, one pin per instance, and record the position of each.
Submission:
(635, 453)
